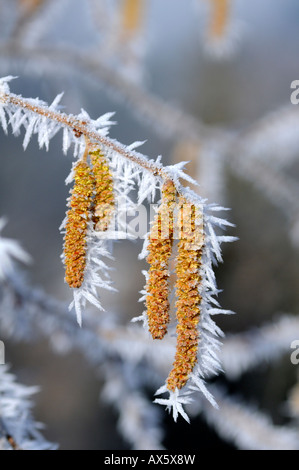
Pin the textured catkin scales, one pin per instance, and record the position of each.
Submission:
(188, 265)
(103, 203)
(160, 248)
(77, 224)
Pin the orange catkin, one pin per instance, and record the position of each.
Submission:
(131, 15)
(219, 18)
(160, 248)
(104, 197)
(77, 223)
(188, 265)
(30, 5)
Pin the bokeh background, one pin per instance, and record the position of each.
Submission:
(228, 83)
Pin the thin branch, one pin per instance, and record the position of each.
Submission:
(243, 351)
(247, 427)
(80, 128)
(18, 429)
(11, 441)
(271, 137)
(167, 120)
(279, 188)
(30, 27)
(140, 421)
(34, 311)
(26, 16)
(49, 318)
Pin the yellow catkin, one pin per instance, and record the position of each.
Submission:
(160, 248)
(30, 5)
(219, 18)
(104, 197)
(77, 224)
(131, 15)
(188, 265)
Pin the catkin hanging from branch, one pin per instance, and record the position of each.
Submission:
(160, 249)
(220, 10)
(188, 264)
(30, 5)
(103, 203)
(77, 223)
(131, 15)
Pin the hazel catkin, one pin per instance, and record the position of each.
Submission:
(188, 263)
(160, 249)
(78, 216)
(103, 204)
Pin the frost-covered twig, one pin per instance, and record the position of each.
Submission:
(280, 189)
(261, 152)
(77, 126)
(120, 346)
(10, 251)
(139, 420)
(243, 351)
(268, 136)
(130, 170)
(33, 313)
(165, 118)
(105, 347)
(36, 314)
(18, 430)
(253, 153)
(273, 139)
(247, 427)
(30, 26)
